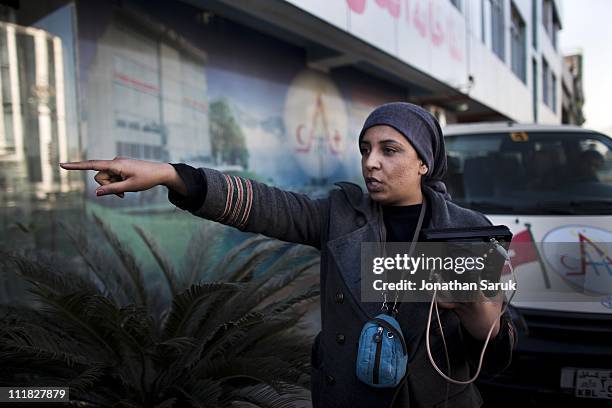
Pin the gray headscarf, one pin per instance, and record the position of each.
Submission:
(423, 132)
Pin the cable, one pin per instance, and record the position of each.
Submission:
(504, 253)
(448, 365)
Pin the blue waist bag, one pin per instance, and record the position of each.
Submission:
(382, 356)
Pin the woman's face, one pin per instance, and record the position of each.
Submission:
(391, 167)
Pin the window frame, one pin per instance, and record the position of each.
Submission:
(518, 43)
(498, 31)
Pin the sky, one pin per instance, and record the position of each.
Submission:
(587, 26)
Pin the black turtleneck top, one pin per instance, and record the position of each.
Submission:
(401, 221)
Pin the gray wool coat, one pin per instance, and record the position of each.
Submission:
(336, 225)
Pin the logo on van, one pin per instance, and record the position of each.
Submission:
(582, 256)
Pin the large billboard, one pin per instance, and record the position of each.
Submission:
(162, 85)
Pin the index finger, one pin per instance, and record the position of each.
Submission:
(88, 165)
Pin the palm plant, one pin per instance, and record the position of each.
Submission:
(223, 336)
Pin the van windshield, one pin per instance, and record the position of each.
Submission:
(531, 173)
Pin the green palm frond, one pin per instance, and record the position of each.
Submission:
(204, 245)
(228, 340)
(217, 271)
(258, 292)
(238, 305)
(262, 396)
(306, 295)
(262, 251)
(169, 403)
(135, 322)
(227, 335)
(34, 341)
(272, 285)
(267, 369)
(113, 280)
(272, 338)
(185, 307)
(34, 329)
(207, 392)
(127, 259)
(14, 357)
(173, 348)
(87, 379)
(163, 262)
(75, 310)
(47, 273)
(293, 258)
(295, 255)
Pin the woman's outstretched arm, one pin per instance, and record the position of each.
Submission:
(256, 207)
(236, 201)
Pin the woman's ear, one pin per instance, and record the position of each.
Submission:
(423, 169)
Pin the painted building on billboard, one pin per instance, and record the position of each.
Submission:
(150, 94)
(33, 135)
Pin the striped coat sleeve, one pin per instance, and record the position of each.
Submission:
(256, 207)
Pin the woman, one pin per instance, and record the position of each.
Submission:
(403, 161)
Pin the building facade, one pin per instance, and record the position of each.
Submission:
(476, 60)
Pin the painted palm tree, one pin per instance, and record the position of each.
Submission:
(227, 334)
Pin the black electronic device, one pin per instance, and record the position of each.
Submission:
(500, 233)
(495, 242)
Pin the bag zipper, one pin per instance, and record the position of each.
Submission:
(385, 324)
(378, 341)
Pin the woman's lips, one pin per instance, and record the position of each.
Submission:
(374, 186)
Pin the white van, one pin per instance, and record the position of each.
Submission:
(548, 184)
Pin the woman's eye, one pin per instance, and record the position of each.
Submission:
(389, 151)
(363, 151)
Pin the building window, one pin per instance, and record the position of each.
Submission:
(534, 88)
(457, 4)
(497, 28)
(553, 86)
(482, 21)
(518, 49)
(549, 86)
(550, 21)
(534, 23)
(555, 33)
(545, 74)
(547, 15)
